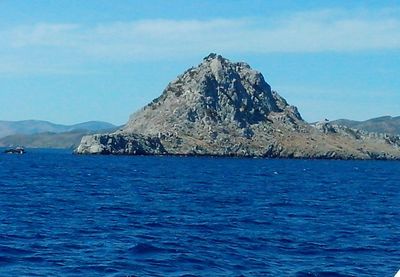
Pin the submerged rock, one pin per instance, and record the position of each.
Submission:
(227, 109)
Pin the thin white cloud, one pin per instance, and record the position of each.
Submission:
(43, 34)
(319, 31)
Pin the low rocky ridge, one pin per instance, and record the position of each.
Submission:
(57, 140)
(384, 124)
(64, 140)
(32, 127)
(67, 140)
(222, 108)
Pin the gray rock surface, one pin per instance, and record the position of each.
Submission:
(227, 109)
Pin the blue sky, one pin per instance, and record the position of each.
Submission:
(70, 61)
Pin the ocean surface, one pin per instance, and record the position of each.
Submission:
(67, 215)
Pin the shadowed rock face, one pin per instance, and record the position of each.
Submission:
(227, 109)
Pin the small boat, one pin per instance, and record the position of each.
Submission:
(16, 150)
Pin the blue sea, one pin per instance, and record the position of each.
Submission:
(68, 215)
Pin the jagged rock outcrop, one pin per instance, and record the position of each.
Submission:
(119, 144)
(227, 109)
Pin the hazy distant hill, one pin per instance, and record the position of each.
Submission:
(44, 140)
(28, 127)
(384, 124)
(66, 140)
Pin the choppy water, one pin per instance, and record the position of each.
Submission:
(66, 215)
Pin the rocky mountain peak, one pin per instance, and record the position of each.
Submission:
(223, 69)
(216, 92)
(213, 56)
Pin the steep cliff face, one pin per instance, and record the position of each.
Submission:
(227, 109)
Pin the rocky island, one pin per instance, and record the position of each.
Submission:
(224, 108)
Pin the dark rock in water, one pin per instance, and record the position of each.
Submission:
(17, 150)
(227, 109)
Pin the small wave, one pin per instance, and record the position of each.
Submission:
(187, 259)
(351, 250)
(321, 274)
(39, 236)
(154, 225)
(14, 251)
(94, 268)
(34, 259)
(284, 203)
(6, 260)
(73, 246)
(144, 248)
